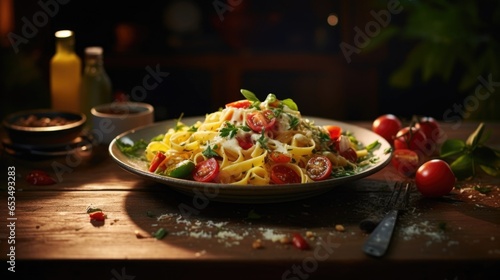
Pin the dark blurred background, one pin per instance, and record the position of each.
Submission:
(346, 60)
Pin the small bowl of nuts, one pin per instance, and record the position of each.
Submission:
(43, 127)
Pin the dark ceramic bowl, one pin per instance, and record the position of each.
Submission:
(43, 127)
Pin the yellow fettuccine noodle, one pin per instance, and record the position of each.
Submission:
(251, 166)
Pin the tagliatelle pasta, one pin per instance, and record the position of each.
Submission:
(250, 142)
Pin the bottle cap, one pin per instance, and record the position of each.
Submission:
(93, 50)
(62, 34)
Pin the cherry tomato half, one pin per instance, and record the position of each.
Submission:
(244, 103)
(350, 154)
(206, 171)
(245, 142)
(319, 168)
(387, 126)
(435, 178)
(262, 120)
(278, 157)
(334, 131)
(405, 161)
(412, 138)
(39, 177)
(282, 174)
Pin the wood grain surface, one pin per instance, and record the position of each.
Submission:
(454, 237)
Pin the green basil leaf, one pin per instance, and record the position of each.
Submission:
(474, 138)
(486, 156)
(452, 147)
(374, 145)
(463, 167)
(492, 171)
(291, 104)
(270, 98)
(249, 95)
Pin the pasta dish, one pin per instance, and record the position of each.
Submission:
(253, 142)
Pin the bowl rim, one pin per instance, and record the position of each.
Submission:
(7, 120)
(149, 109)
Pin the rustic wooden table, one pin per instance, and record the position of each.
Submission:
(49, 234)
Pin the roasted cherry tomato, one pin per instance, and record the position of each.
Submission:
(39, 177)
(206, 171)
(433, 132)
(319, 168)
(262, 120)
(97, 216)
(278, 157)
(245, 103)
(411, 138)
(435, 178)
(245, 142)
(387, 126)
(343, 147)
(431, 128)
(282, 174)
(405, 161)
(350, 154)
(334, 131)
(299, 241)
(156, 161)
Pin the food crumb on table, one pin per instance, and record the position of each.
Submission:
(257, 244)
(339, 227)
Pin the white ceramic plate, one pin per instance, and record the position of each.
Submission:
(246, 194)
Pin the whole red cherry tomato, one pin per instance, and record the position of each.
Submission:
(435, 178)
(431, 128)
(411, 138)
(387, 126)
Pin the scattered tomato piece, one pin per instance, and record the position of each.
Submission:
(97, 216)
(39, 177)
(299, 241)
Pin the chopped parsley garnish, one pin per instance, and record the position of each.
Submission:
(230, 130)
(373, 146)
(178, 124)
(193, 128)
(263, 140)
(209, 152)
(294, 122)
(135, 150)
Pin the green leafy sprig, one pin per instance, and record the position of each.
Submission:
(230, 130)
(469, 155)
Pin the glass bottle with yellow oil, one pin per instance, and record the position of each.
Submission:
(65, 73)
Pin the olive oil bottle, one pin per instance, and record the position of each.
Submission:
(65, 73)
